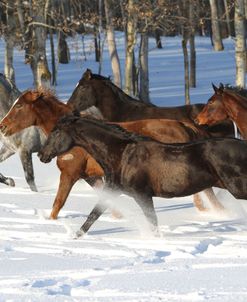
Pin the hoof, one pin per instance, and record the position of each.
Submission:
(79, 234)
(10, 182)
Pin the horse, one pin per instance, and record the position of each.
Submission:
(144, 168)
(117, 106)
(43, 109)
(24, 143)
(7, 180)
(226, 103)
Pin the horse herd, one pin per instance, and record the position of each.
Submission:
(124, 145)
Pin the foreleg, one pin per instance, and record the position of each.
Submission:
(97, 211)
(5, 153)
(27, 164)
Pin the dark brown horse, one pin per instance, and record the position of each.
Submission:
(117, 106)
(42, 108)
(143, 168)
(226, 103)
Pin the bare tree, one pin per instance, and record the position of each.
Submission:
(144, 74)
(240, 46)
(116, 69)
(216, 37)
(131, 41)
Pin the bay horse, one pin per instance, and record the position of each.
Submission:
(24, 143)
(117, 106)
(144, 168)
(226, 103)
(42, 108)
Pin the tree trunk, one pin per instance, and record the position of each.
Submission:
(186, 72)
(192, 45)
(157, 34)
(38, 61)
(217, 41)
(240, 46)
(131, 40)
(63, 49)
(227, 18)
(116, 69)
(144, 76)
(9, 41)
(8, 63)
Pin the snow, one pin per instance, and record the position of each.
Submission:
(198, 257)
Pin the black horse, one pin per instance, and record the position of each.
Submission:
(143, 168)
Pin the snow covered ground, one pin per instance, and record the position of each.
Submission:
(199, 257)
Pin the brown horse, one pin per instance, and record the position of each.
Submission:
(143, 168)
(42, 108)
(226, 103)
(116, 106)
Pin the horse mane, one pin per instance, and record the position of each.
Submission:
(235, 89)
(124, 97)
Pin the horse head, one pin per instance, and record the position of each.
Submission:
(214, 111)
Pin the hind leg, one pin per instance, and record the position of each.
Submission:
(147, 206)
(213, 199)
(27, 164)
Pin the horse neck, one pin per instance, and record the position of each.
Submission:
(49, 112)
(237, 111)
(107, 151)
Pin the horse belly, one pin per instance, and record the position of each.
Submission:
(177, 179)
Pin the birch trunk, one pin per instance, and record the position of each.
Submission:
(144, 76)
(116, 69)
(186, 72)
(217, 41)
(240, 46)
(9, 41)
(131, 40)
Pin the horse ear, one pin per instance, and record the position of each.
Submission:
(215, 88)
(87, 74)
(33, 95)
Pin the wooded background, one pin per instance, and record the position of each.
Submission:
(28, 25)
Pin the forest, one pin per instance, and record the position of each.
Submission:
(30, 24)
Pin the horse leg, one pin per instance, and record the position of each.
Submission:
(5, 153)
(147, 206)
(198, 202)
(27, 164)
(7, 180)
(65, 185)
(213, 199)
(97, 211)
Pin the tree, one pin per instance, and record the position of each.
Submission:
(112, 45)
(216, 37)
(240, 46)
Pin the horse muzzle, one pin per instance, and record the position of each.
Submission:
(44, 158)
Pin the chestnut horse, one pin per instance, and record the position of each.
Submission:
(226, 103)
(144, 168)
(43, 109)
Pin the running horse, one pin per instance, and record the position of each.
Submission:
(226, 103)
(43, 109)
(144, 168)
(115, 105)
